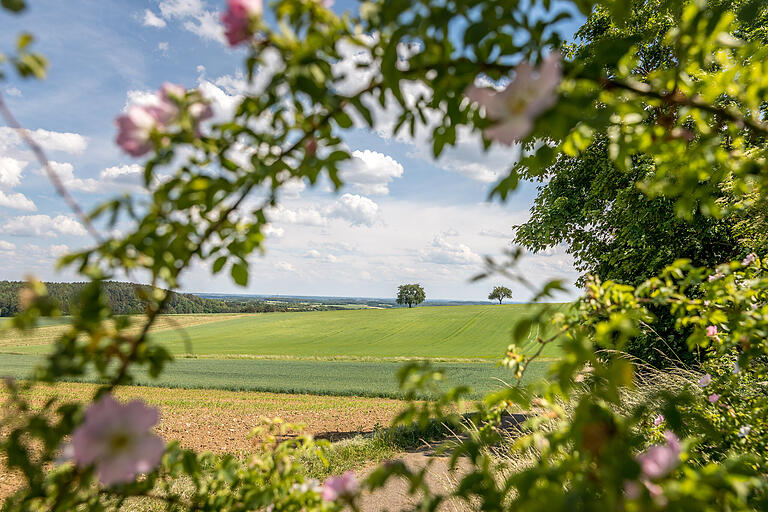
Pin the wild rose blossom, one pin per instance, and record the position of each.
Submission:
(116, 438)
(136, 126)
(658, 420)
(711, 331)
(714, 397)
(530, 93)
(744, 431)
(238, 20)
(705, 380)
(659, 460)
(343, 486)
(750, 259)
(715, 276)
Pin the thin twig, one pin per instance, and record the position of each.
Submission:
(46, 164)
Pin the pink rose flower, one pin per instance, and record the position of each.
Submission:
(171, 92)
(658, 420)
(750, 259)
(705, 380)
(136, 126)
(343, 486)
(711, 331)
(659, 460)
(714, 397)
(238, 18)
(515, 108)
(116, 438)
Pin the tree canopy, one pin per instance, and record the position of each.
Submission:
(410, 294)
(500, 293)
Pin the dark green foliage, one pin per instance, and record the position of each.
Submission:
(500, 293)
(411, 294)
(611, 228)
(123, 299)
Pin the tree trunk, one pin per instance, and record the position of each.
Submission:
(410, 305)
(500, 301)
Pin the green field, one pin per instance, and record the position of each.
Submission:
(376, 379)
(324, 352)
(428, 332)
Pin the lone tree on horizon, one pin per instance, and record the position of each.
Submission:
(411, 294)
(500, 293)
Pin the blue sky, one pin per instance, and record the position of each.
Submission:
(401, 218)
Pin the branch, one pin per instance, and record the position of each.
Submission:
(46, 164)
(676, 97)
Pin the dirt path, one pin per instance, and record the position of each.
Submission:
(440, 479)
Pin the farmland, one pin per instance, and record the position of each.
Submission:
(461, 332)
(352, 352)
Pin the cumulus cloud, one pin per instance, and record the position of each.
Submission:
(13, 91)
(72, 143)
(301, 216)
(285, 266)
(272, 231)
(443, 252)
(355, 209)
(17, 201)
(195, 17)
(66, 173)
(7, 246)
(10, 176)
(121, 172)
(43, 225)
(152, 20)
(370, 172)
(10, 172)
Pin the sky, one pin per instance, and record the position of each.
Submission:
(401, 217)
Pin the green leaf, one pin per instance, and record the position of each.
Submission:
(240, 273)
(219, 264)
(14, 5)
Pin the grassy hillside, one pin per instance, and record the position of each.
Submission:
(449, 332)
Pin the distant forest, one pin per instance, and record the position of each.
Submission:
(123, 300)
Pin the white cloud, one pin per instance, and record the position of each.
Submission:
(194, 17)
(443, 252)
(59, 250)
(13, 91)
(121, 172)
(10, 176)
(17, 201)
(370, 172)
(10, 172)
(272, 232)
(494, 233)
(66, 173)
(152, 20)
(355, 209)
(301, 216)
(43, 225)
(285, 266)
(162, 46)
(7, 246)
(72, 143)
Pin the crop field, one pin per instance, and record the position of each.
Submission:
(346, 352)
(355, 378)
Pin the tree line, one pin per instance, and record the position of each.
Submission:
(124, 299)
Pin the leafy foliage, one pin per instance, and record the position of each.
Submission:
(410, 294)
(500, 293)
(693, 124)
